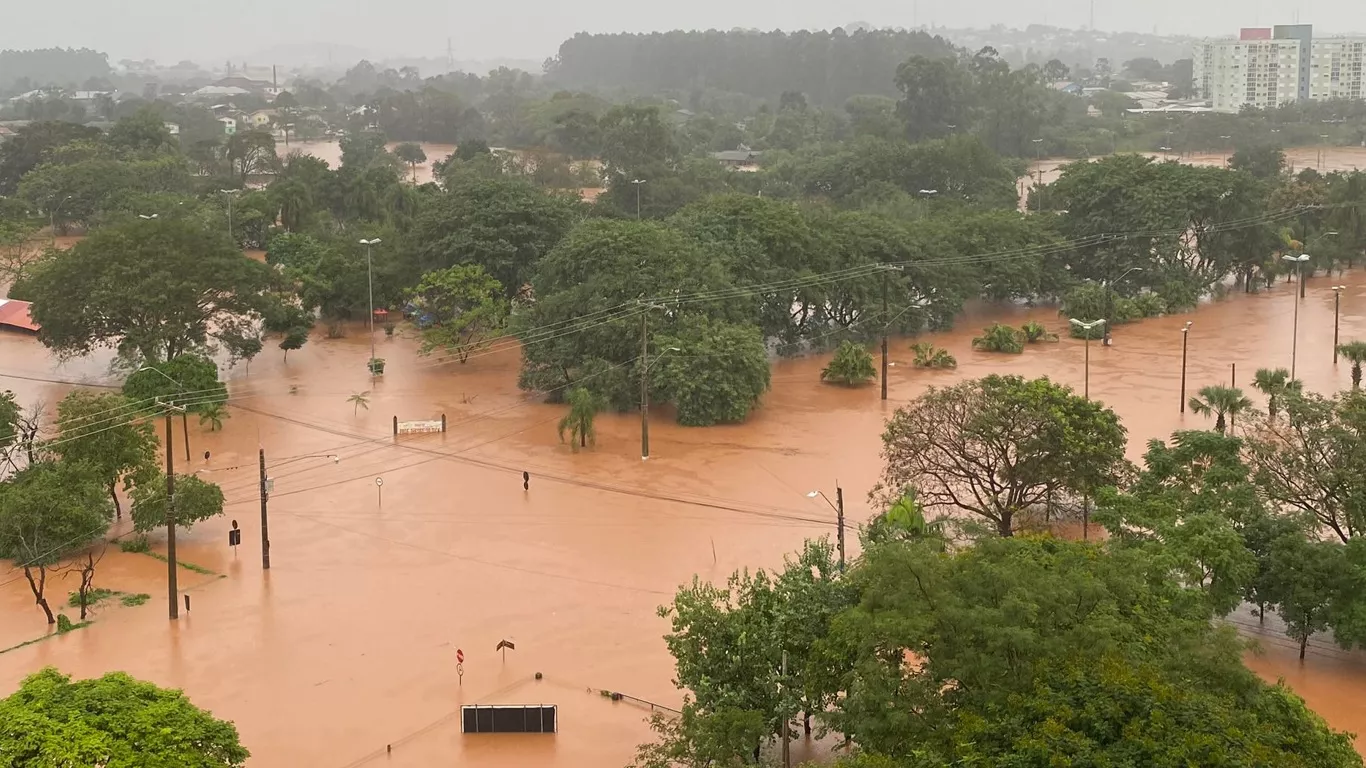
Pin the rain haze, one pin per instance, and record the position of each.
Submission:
(167, 30)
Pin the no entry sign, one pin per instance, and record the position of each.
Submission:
(459, 656)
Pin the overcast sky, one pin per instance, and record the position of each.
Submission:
(170, 30)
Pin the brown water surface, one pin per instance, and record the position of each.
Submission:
(348, 643)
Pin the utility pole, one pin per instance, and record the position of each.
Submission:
(1185, 337)
(787, 747)
(644, 383)
(839, 521)
(265, 519)
(171, 566)
(885, 323)
(1337, 304)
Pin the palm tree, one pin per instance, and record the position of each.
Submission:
(1356, 352)
(1000, 338)
(1222, 402)
(361, 400)
(213, 416)
(928, 355)
(1275, 384)
(583, 407)
(1035, 332)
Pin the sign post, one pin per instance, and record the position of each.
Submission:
(234, 539)
(505, 646)
(379, 489)
(460, 666)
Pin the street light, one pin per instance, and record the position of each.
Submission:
(1087, 328)
(636, 183)
(1337, 303)
(1295, 331)
(1185, 337)
(838, 506)
(1308, 246)
(229, 193)
(370, 277)
(184, 414)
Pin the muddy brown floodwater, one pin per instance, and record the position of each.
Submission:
(348, 643)
(330, 150)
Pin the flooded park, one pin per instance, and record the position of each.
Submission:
(389, 554)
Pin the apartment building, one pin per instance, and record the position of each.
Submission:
(1270, 67)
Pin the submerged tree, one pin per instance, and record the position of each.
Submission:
(851, 366)
(1222, 402)
(928, 355)
(1354, 351)
(998, 446)
(1000, 338)
(1276, 385)
(583, 408)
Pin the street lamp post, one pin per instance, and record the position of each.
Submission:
(370, 277)
(1038, 161)
(1310, 246)
(839, 516)
(1087, 327)
(1295, 330)
(637, 183)
(1337, 305)
(645, 387)
(886, 321)
(1185, 337)
(230, 193)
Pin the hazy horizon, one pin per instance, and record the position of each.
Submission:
(162, 30)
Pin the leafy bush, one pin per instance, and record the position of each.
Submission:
(851, 366)
(1000, 338)
(1150, 304)
(1180, 295)
(1035, 332)
(138, 544)
(928, 355)
(64, 624)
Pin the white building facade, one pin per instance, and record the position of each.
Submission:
(1270, 67)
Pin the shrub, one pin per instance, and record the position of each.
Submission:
(928, 355)
(1035, 332)
(64, 624)
(1150, 305)
(1000, 338)
(851, 366)
(136, 544)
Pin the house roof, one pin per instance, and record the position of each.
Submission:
(15, 314)
(737, 155)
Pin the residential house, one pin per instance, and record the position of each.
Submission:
(218, 92)
(742, 159)
(261, 118)
(172, 128)
(229, 125)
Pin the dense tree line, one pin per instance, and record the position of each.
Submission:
(62, 67)
(828, 66)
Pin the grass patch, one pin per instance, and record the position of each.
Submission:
(69, 628)
(93, 598)
(135, 544)
(133, 601)
(183, 564)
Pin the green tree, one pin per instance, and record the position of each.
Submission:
(252, 153)
(583, 407)
(151, 289)
(143, 131)
(1033, 651)
(505, 226)
(1303, 582)
(31, 144)
(196, 500)
(1000, 338)
(9, 419)
(936, 94)
(1276, 385)
(1263, 162)
(1222, 402)
(294, 338)
(213, 416)
(999, 446)
(851, 365)
(1355, 351)
(188, 381)
(48, 511)
(460, 310)
(112, 720)
(105, 432)
(717, 376)
(359, 400)
(412, 154)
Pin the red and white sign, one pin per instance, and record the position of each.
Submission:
(459, 656)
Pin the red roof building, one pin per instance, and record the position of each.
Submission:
(14, 314)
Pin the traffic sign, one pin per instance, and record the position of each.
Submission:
(379, 481)
(459, 656)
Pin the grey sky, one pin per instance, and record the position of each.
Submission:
(169, 30)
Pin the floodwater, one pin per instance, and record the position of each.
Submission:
(330, 151)
(348, 644)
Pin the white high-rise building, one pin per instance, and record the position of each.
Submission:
(1335, 68)
(1270, 67)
